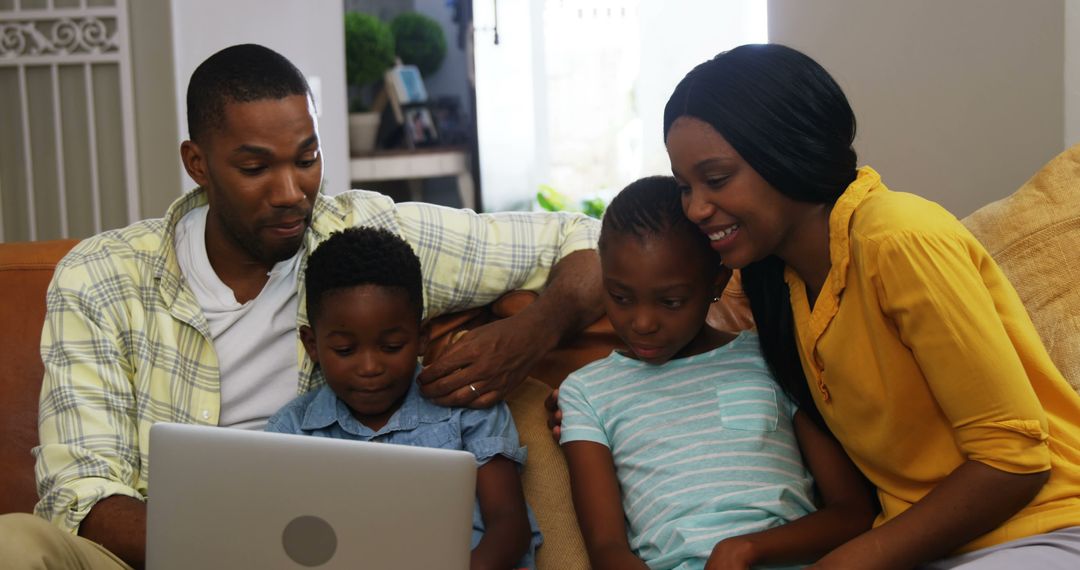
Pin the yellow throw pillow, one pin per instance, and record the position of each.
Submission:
(1034, 235)
(547, 482)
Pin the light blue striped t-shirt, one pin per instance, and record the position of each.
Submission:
(704, 447)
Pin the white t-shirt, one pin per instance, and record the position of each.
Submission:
(255, 341)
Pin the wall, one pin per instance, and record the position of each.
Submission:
(385, 10)
(452, 78)
(310, 34)
(161, 174)
(1072, 72)
(958, 101)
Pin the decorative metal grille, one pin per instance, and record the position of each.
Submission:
(44, 47)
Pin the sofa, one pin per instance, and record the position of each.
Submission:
(1034, 234)
(25, 272)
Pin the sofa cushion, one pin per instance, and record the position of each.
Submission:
(25, 271)
(546, 481)
(1034, 235)
(732, 312)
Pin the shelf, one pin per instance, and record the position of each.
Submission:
(417, 165)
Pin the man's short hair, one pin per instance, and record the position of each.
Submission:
(238, 74)
(363, 256)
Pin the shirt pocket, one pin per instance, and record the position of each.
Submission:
(434, 435)
(748, 406)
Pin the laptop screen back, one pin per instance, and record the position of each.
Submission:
(229, 498)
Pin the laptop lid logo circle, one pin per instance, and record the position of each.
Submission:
(309, 541)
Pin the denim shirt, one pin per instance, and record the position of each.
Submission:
(418, 422)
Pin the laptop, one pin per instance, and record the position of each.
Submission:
(231, 498)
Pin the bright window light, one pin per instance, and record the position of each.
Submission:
(572, 97)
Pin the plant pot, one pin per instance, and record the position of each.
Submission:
(363, 129)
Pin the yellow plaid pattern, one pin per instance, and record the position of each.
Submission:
(125, 343)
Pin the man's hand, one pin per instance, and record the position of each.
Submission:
(119, 524)
(490, 361)
(487, 362)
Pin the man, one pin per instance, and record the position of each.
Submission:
(192, 318)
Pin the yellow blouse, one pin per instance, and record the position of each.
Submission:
(920, 356)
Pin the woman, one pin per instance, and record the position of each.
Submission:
(879, 310)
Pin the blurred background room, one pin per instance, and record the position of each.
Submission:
(514, 104)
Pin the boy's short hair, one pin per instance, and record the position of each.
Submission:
(363, 256)
(238, 74)
(651, 206)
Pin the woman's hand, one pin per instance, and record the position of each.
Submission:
(735, 553)
(551, 403)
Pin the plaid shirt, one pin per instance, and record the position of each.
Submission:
(126, 345)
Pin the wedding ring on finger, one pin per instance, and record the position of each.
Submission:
(473, 388)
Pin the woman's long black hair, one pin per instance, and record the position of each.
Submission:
(789, 120)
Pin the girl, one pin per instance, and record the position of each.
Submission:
(879, 309)
(683, 451)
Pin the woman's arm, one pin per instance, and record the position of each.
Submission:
(957, 314)
(848, 510)
(973, 500)
(595, 489)
(506, 523)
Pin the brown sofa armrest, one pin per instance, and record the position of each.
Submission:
(25, 272)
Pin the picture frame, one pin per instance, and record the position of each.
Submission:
(419, 126)
(406, 85)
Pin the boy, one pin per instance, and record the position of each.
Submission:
(364, 299)
(682, 450)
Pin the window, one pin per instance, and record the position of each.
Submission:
(573, 94)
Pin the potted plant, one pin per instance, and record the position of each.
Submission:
(420, 41)
(552, 200)
(369, 51)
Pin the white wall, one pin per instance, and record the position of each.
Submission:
(959, 101)
(1072, 72)
(309, 33)
(161, 174)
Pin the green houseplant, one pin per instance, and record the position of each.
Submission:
(552, 200)
(369, 52)
(419, 41)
